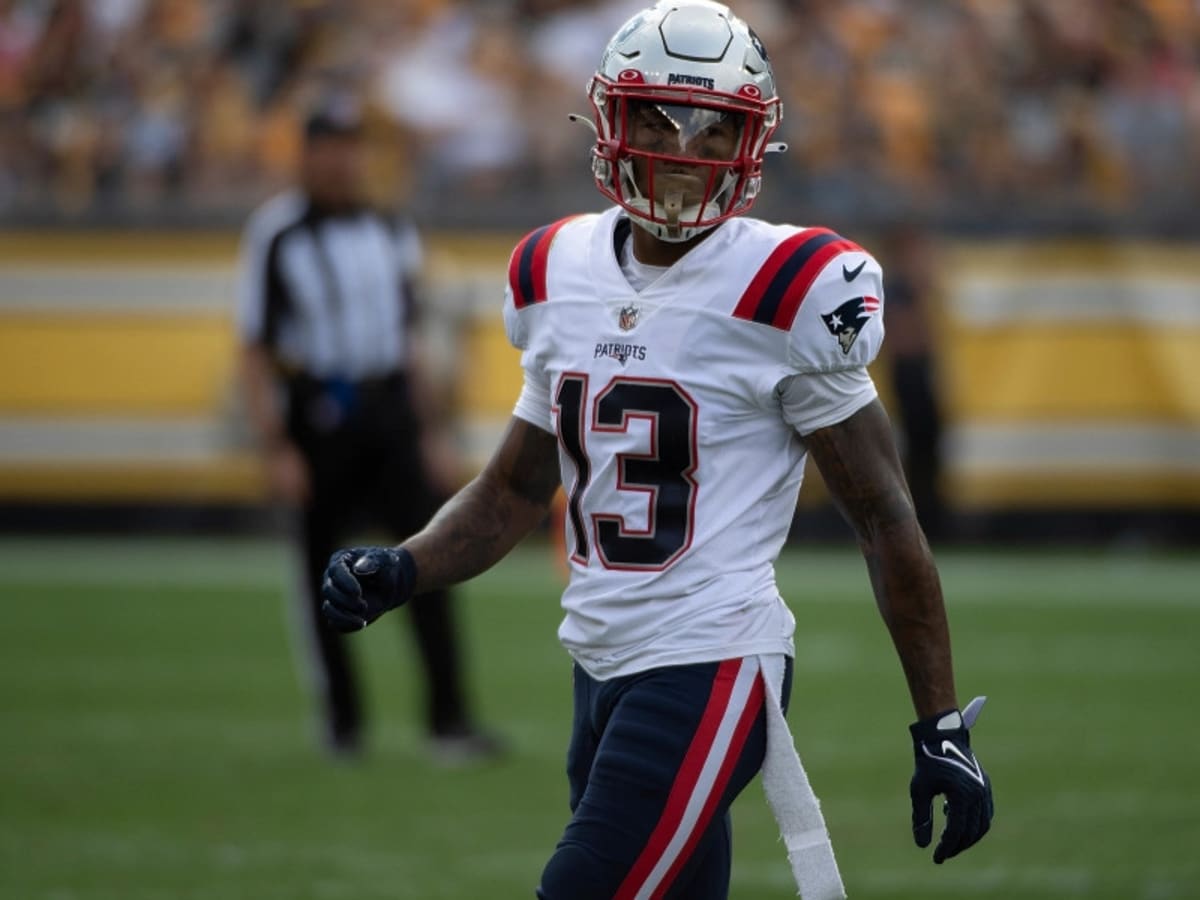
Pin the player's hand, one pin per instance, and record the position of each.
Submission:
(362, 584)
(946, 765)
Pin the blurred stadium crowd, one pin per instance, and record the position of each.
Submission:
(972, 114)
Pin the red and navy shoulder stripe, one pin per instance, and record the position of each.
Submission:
(781, 283)
(527, 265)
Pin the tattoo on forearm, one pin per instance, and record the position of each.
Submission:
(859, 465)
(484, 520)
(462, 539)
(535, 475)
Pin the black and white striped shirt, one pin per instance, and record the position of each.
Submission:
(329, 295)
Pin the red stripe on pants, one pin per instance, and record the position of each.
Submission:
(686, 780)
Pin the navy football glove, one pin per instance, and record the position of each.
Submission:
(946, 765)
(363, 583)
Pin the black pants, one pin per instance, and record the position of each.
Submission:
(361, 442)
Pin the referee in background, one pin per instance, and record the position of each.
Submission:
(332, 385)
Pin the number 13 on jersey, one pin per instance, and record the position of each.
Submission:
(663, 469)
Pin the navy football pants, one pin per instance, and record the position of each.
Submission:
(655, 761)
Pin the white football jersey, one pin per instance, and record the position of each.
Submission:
(678, 411)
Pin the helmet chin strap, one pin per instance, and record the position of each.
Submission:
(675, 188)
(672, 205)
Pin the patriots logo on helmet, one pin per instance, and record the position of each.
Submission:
(845, 322)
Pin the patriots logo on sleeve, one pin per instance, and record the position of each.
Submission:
(845, 322)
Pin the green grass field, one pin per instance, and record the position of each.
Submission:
(156, 741)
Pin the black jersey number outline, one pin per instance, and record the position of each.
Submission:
(665, 472)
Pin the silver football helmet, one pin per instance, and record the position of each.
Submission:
(684, 106)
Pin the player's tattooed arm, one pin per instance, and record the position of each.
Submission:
(488, 517)
(861, 467)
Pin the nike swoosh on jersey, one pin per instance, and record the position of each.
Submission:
(851, 274)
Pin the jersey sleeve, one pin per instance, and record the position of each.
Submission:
(533, 405)
(839, 324)
(516, 326)
(819, 400)
(527, 279)
(836, 334)
(526, 295)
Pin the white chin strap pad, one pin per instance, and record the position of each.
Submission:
(639, 209)
(639, 213)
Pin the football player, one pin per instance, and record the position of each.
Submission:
(681, 362)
